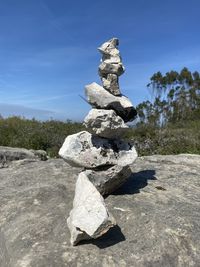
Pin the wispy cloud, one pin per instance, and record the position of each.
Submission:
(28, 112)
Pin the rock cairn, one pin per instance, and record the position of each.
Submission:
(104, 156)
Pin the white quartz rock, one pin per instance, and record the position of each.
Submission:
(89, 217)
(90, 151)
(105, 123)
(99, 97)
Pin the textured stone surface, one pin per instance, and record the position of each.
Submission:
(109, 68)
(109, 50)
(105, 123)
(98, 97)
(110, 82)
(8, 154)
(89, 216)
(90, 151)
(4, 258)
(108, 179)
(157, 210)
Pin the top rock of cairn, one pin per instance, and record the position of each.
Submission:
(111, 66)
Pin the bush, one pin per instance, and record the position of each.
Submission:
(33, 134)
(182, 137)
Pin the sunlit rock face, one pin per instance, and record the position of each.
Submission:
(90, 151)
(105, 123)
(102, 153)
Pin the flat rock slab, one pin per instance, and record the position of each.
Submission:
(157, 211)
(90, 151)
(99, 97)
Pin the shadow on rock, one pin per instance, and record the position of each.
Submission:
(135, 182)
(111, 238)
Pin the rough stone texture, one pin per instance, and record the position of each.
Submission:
(8, 154)
(98, 97)
(108, 179)
(110, 52)
(89, 217)
(110, 68)
(105, 123)
(90, 151)
(157, 210)
(110, 83)
(4, 258)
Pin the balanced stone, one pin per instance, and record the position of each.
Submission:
(110, 83)
(109, 50)
(108, 179)
(109, 68)
(90, 151)
(105, 123)
(89, 217)
(98, 97)
(111, 59)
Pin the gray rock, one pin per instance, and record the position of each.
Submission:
(110, 53)
(89, 217)
(41, 154)
(90, 151)
(4, 257)
(108, 179)
(110, 83)
(8, 154)
(109, 48)
(105, 123)
(98, 97)
(157, 210)
(110, 68)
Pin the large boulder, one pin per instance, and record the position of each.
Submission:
(89, 217)
(105, 123)
(99, 97)
(157, 212)
(90, 151)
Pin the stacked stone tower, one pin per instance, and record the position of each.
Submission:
(102, 153)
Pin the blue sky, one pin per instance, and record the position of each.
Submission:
(48, 49)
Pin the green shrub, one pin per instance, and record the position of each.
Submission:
(180, 137)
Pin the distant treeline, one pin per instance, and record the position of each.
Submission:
(169, 124)
(34, 134)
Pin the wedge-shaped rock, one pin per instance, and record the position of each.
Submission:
(105, 123)
(110, 83)
(107, 180)
(89, 217)
(90, 151)
(99, 97)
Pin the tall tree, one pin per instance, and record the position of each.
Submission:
(176, 97)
